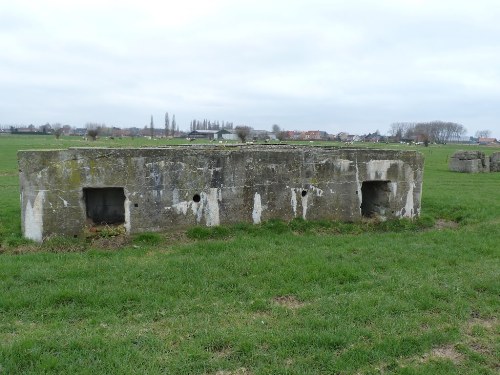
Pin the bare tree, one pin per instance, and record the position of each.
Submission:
(174, 125)
(276, 129)
(243, 132)
(93, 129)
(152, 128)
(458, 131)
(57, 130)
(434, 131)
(443, 131)
(167, 125)
(483, 133)
(282, 135)
(105, 131)
(401, 130)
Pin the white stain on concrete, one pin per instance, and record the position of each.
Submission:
(181, 207)
(407, 211)
(316, 190)
(207, 208)
(197, 208)
(211, 209)
(394, 189)
(65, 203)
(194, 209)
(257, 208)
(304, 199)
(293, 202)
(377, 169)
(127, 224)
(33, 218)
(342, 164)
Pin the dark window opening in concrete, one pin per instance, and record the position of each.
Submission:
(136, 205)
(304, 193)
(375, 198)
(105, 205)
(196, 198)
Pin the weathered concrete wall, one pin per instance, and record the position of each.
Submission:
(495, 162)
(469, 162)
(175, 187)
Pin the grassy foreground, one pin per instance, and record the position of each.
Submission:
(280, 298)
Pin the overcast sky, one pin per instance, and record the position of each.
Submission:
(331, 65)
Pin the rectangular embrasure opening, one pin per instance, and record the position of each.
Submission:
(375, 198)
(105, 205)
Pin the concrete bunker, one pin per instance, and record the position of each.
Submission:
(105, 206)
(175, 187)
(375, 198)
(474, 162)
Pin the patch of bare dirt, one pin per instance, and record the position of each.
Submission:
(223, 352)
(22, 249)
(482, 344)
(289, 301)
(444, 352)
(481, 348)
(110, 243)
(177, 236)
(445, 224)
(487, 323)
(447, 352)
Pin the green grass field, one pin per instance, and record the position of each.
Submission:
(279, 298)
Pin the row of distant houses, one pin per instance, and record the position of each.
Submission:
(310, 135)
(231, 134)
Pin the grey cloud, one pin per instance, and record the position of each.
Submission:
(330, 65)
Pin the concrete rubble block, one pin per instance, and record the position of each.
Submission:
(160, 189)
(469, 162)
(495, 162)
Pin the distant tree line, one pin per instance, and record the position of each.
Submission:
(483, 134)
(170, 128)
(210, 125)
(56, 129)
(434, 131)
